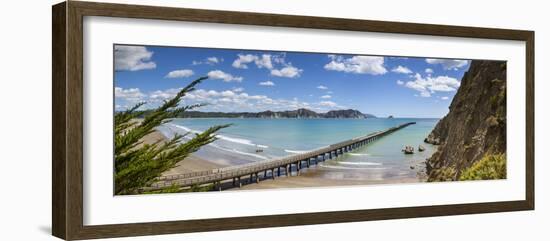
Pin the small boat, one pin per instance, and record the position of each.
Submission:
(258, 150)
(408, 150)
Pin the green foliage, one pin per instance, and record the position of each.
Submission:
(205, 188)
(138, 165)
(171, 189)
(442, 174)
(489, 167)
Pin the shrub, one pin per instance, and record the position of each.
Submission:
(443, 174)
(489, 167)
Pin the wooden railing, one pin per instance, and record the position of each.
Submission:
(273, 167)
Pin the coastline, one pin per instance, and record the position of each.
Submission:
(315, 176)
(319, 176)
(191, 163)
(305, 180)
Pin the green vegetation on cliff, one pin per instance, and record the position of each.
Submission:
(490, 167)
(474, 130)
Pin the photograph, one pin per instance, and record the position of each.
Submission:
(190, 119)
(245, 120)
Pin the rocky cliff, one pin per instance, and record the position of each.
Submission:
(475, 125)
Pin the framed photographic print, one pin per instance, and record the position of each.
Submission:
(171, 120)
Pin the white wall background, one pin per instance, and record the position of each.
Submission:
(25, 119)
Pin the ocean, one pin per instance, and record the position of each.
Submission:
(379, 160)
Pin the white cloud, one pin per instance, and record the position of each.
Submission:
(447, 64)
(425, 94)
(401, 70)
(427, 86)
(243, 60)
(328, 103)
(326, 97)
(445, 98)
(415, 85)
(128, 94)
(357, 64)
(336, 66)
(182, 73)
(322, 87)
(133, 58)
(218, 74)
(429, 71)
(267, 83)
(264, 62)
(227, 101)
(231, 101)
(238, 89)
(212, 60)
(209, 60)
(288, 72)
(267, 61)
(163, 94)
(399, 82)
(280, 58)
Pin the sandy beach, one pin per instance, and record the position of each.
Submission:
(315, 176)
(313, 181)
(190, 164)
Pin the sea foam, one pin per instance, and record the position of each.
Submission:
(225, 138)
(238, 152)
(352, 168)
(295, 151)
(361, 163)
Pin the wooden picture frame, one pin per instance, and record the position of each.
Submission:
(67, 123)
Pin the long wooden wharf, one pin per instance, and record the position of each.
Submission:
(270, 168)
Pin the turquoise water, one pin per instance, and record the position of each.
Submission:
(381, 159)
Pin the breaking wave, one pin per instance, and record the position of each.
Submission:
(225, 138)
(238, 152)
(296, 151)
(359, 154)
(352, 168)
(361, 163)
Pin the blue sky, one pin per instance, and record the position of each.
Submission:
(245, 80)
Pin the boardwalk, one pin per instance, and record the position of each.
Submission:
(270, 168)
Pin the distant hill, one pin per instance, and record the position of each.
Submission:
(299, 113)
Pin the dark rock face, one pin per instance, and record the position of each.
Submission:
(432, 139)
(344, 114)
(304, 113)
(476, 123)
(299, 113)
